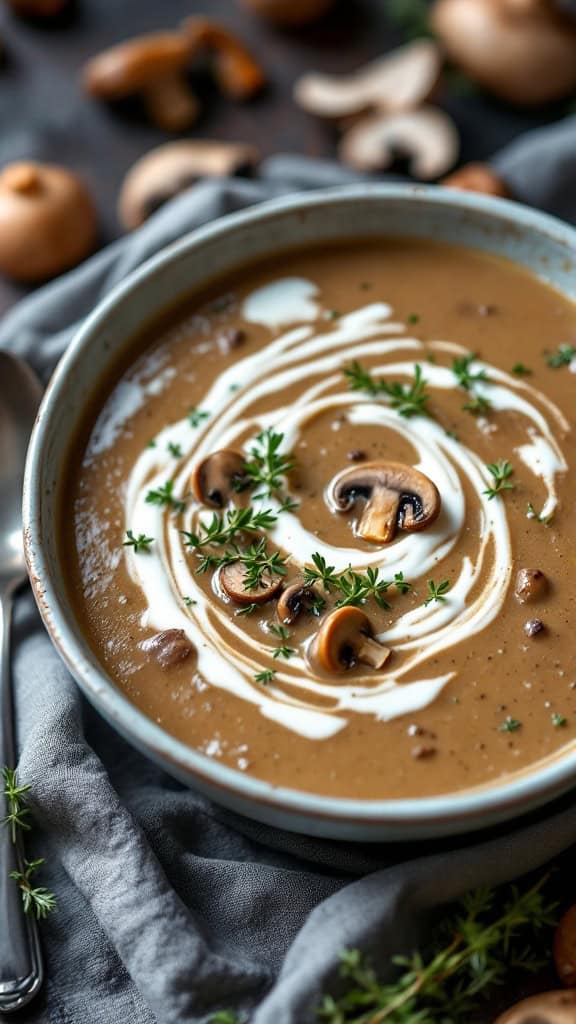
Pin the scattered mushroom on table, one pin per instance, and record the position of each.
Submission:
(545, 1008)
(238, 74)
(395, 497)
(220, 478)
(345, 639)
(426, 138)
(47, 221)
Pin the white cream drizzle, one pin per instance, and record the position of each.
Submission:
(313, 356)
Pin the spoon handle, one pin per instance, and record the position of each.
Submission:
(21, 970)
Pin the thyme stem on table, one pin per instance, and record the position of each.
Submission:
(36, 899)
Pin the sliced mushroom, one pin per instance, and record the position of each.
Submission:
(565, 948)
(396, 497)
(427, 138)
(47, 221)
(296, 598)
(152, 66)
(531, 584)
(170, 169)
(344, 639)
(168, 648)
(291, 13)
(232, 579)
(523, 52)
(545, 1008)
(399, 81)
(238, 74)
(220, 478)
(478, 178)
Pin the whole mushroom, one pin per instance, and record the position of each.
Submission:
(345, 639)
(523, 51)
(395, 497)
(220, 478)
(166, 171)
(546, 1008)
(291, 13)
(296, 598)
(233, 580)
(47, 221)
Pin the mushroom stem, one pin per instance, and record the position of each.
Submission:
(372, 653)
(378, 522)
(170, 104)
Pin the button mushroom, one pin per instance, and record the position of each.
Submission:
(168, 648)
(545, 1008)
(289, 12)
(47, 221)
(220, 478)
(396, 497)
(233, 578)
(427, 138)
(344, 639)
(399, 81)
(237, 72)
(524, 53)
(478, 178)
(294, 599)
(167, 170)
(531, 584)
(152, 66)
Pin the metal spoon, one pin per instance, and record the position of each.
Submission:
(21, 970)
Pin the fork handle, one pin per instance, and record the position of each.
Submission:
(21, 970)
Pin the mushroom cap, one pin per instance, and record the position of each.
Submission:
(289, 12)
(398, 81)
(344, 637)
(232, 577)
(169, 169)
(546, 1008)
(47, 221)
(219, 478)
(565, 948)
(397, 496)
(428, 137)
(293, 599)
(127, 68)
(477, 177)
(523, 53)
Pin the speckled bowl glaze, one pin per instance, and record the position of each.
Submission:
(540, 243)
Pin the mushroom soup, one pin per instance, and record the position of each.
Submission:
(320, 528)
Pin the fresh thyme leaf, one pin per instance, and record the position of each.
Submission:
(139, 543)
(478, 405)
(189, 602)
(164, 496)
(280, 631)
(268, 466)
(283, 652)
(265, 677)
(531, 513)
(357, 587)
(510, 724)
(247, 609)
(151, 444)
(256, 560)
(223, 529)
(413, 318)
(17, 811)
(35, 899)
(521, 371)
(408, 400)
(461, 370)
(401, 584)
(334, 314)
(226, 1017)
(559, 721)
(322, 573)
(562, 357)
(500, 472)
(288, 505)
(437, 592)
(196, 416)
(175, 449)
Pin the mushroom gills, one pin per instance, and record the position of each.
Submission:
(396, 497)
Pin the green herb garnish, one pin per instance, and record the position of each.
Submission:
(196, 416)
(401, 584)
(357, 587)
(413, 318)
(189, 602)
(322, 573)
(461, 370)
(283, 651)
(223, 529)
(559, 721)
(139, 543)
(562, 357)
(510, 724)
(531, 513)
(17, 811)
(35, 899)
(437, 592)
(174, 449)
(407, 399)
(478, 405)
(265, 677)
(268, 467)
(164, 496)
(519, 370)
(500, 472)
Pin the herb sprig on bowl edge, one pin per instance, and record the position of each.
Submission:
(36, 899)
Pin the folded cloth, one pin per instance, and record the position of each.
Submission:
(170, 907)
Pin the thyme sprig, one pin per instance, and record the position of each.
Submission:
(268, 467)
(15, 796)
(562, 357)
(36, 899)
(407, 399)
(224, 528)
(139, 543)
(437, 592)
(461, 370)
(257, 561)
(500, 472)
(478, 405)
(531, 513)
(283, 650)
(356, 587)
(164, 495)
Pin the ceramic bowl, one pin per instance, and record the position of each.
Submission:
(545, 245)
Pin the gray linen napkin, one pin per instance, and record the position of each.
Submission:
(170, 907)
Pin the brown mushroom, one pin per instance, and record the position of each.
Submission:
(168, 648)
(167, 170)
(396, 497)
(152, 66)
(47, 221)
(531, 584)
(38, 8)
(291, 13)
(232, 579)
(427, 138)
(344, 639)
(478, 178)
(296, 598)
(545, 1008)
(565, 948)
(220, 478)
(399, 81)
(237, 72)
(523, 52)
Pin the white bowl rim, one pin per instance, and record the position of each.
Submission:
(470, 807)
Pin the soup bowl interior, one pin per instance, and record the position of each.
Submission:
(541, 244)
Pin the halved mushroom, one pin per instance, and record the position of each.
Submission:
(396, 497)
(344, 639)
(166, 171)
(168, 648)
(232, 579)
(296, 598)
(427, 138)
(546, 1008)
(478, 178)
(531, 585)
(152, 66)
(220, 478)
(398, 81)
(238, 74)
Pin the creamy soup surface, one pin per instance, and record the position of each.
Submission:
(322, 525)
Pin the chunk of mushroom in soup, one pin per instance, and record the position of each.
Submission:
(327, 509)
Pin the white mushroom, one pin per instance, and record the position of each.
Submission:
(398, 81)
(427, 137)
